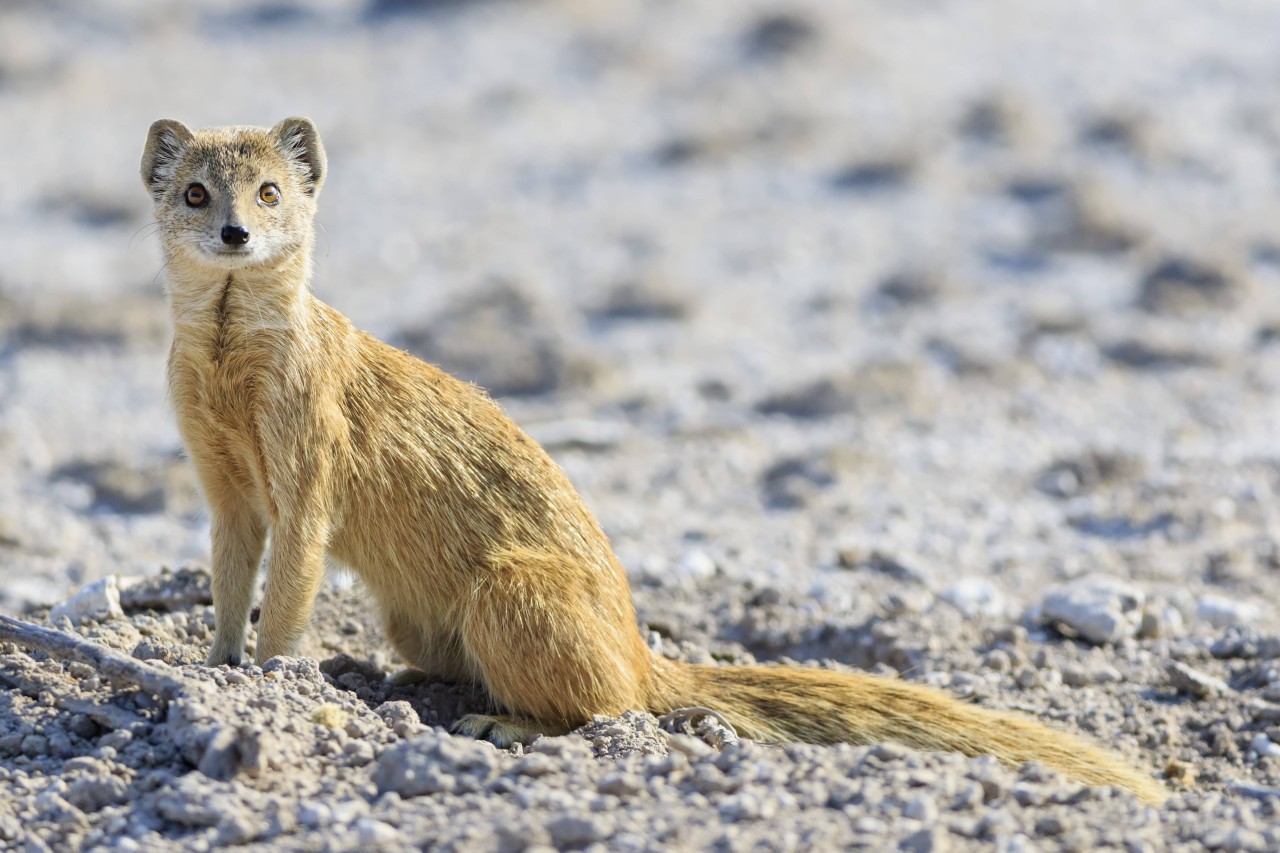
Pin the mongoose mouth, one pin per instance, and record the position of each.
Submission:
(228, 257)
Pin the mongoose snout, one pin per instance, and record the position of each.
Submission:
(235, 235)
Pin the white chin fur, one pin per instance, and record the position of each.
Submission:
(215, 257)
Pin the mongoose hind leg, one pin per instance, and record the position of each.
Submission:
(554, 641)
(431, 654)
(502, 730)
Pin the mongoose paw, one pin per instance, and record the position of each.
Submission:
(231, 659)
(406, 677)
(499, 731)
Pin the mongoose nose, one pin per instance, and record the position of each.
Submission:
(235, 235)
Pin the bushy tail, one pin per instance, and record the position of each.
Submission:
(791, 704)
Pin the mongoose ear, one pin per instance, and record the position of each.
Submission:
(298, 140)
(165, 141)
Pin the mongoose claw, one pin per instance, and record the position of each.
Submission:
(406, 677)
(681, 720)
(502, 732)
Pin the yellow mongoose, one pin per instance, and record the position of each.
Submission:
(484, 561)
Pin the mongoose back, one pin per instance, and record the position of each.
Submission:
(485, 563)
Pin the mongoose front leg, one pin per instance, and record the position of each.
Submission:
(295, 570)
(238, 539)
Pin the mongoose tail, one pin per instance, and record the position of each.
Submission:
(790, 704)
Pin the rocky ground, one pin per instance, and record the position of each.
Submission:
(938, 339)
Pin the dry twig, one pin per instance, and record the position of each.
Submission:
(110, 665)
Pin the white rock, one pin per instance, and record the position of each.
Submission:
(1099, 608)
(98, 600)
(1161, 619)
(1193, 682)
(975, 596)
(314, 814)
(1264, 746)
(375, 832)
(696, 565)
(1222, 612)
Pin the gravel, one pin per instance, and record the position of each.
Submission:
(877, 336)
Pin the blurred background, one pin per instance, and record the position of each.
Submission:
(844, 299)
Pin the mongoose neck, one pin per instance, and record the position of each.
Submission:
(268, 295)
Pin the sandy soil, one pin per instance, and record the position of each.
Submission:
(861, 326)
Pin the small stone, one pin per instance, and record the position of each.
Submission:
(572, 831)
(83, 727)
(35, 746)
(394, 713)
(92, 794)
(119, 739)
(565, 746)
(986, 771)
(1075, 675)
(921, 808)
(867, 825)
(1029, 795)
(1160, 620)
(968, 796)
(975, 596)
(1105, 674)
(436, 763)
(1264, 746)
(890, 751)
(1049, 826)
(929, 840)
(620, 784)
(692, 747)
(696, 565)
(1028, 678)
(185, 806)
(375, 832)
(99, 600)
(997, 660)
(535, 765)
(314, 814)
(1193, 682)
(360, 751)
(1222, 612)
(1098, 608)
(230, 751)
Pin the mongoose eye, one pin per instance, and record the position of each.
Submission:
(196, 196)
(270, 194)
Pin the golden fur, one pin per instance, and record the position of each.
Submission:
(485, 562)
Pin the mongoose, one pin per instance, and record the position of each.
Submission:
(484, 561)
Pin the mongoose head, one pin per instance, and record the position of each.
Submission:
(234, 197)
